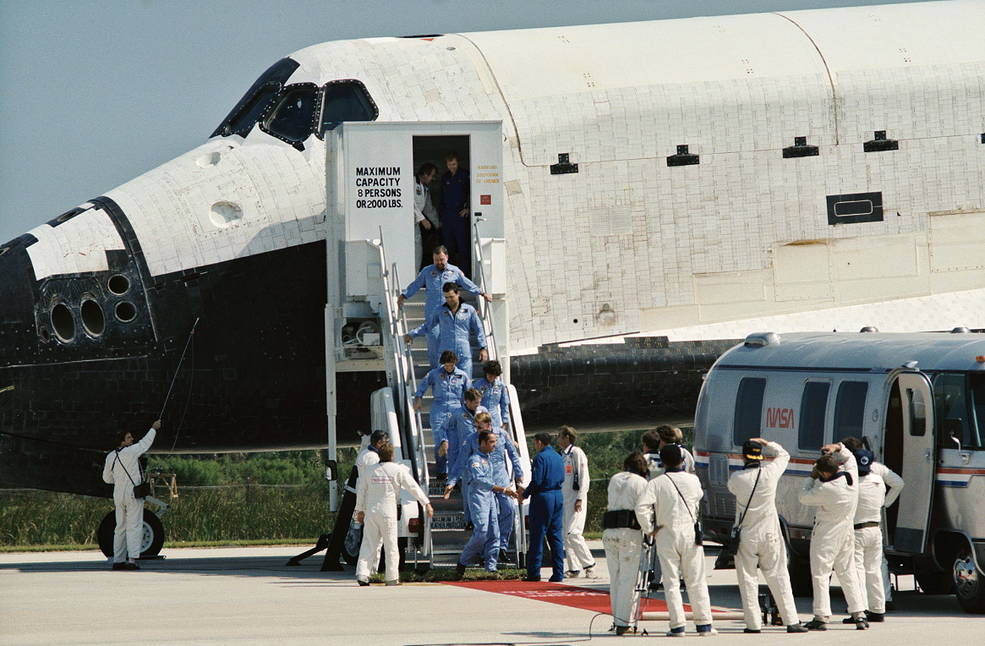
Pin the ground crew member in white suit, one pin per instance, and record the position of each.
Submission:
(623, 539)
(868, 535)
(761, 543)
(834, 492)
(575, 491)
(377, 498)
(668, 511)
(425, 215)
(370, 454)
(895, 483)
(367, 457)
(122, 470)
(658, 438)
(652, 442)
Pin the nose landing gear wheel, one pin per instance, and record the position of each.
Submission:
(151, 542)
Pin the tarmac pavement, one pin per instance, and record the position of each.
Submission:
(250, 596)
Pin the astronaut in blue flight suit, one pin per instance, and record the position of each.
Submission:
(453, 209)
(432, 279)
(494, 395)
(448, 385)
(456, 322)
(546, 509)
(505, 448)
(457, 428)
(482, 490)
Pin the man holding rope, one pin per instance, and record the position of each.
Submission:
(122, 470)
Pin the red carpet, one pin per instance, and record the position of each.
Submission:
(574, 596)
(559, 593)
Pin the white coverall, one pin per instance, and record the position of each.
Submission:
(577, 555)
(660, 506)
(423, 209)
(364, 460)
(833, 538)
(377, 496)
(895, 484)
(868, 540)
(129, 510)
(761, 544)
(622, 547)
(656, 468)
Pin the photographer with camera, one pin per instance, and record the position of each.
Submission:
(761, 543)
(668, 511)
(122, 470)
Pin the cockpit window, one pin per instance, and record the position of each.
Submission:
(346, 100)
(253, 110)
(257, 99)
(293, 117)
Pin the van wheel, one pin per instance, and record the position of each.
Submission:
(969, 585)
(799, 569)
(935, 582)
(150, 544)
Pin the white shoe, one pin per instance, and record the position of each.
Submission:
(671, 633)
(708, 633)
(590, 573)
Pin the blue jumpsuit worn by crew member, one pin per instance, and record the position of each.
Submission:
(479, 482)
(454, 330)
(546, 512)
(496, 399)
(457, 427)
(506, 505)
(447, 390)
(455, 228)
(432, 280)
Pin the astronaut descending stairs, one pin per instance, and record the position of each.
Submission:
(449, 533)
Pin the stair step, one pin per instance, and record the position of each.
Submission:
(448, 522)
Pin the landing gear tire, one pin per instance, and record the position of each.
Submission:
(150, 544)
(799, 569)
(935, 582)
(969, 584)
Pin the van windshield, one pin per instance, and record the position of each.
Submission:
(976, 439)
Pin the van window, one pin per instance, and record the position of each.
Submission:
(975, 439)
(748, 409)
(959, 410)
(850, 409)
(813, 404)
(918, 412)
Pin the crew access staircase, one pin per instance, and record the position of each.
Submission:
(439, 541)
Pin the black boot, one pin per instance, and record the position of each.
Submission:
(816, 624)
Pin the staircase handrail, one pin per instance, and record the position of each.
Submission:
(485, 313)
(403, 372)
(410, 378)
(410, 388)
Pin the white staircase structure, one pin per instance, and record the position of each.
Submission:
(438, 541)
